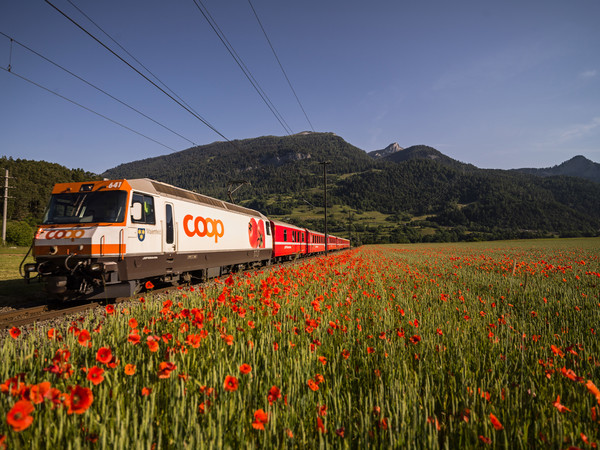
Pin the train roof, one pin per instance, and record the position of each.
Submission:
(287, 225)
(167, 190)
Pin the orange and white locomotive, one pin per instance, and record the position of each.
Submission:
(105, 239)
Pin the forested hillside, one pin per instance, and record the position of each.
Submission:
(272, 165)
(401, 195)
(31, 183)
(416, 193)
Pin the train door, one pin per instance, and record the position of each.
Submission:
(169, 241)
(144, 233)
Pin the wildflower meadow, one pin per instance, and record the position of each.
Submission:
(418, 346)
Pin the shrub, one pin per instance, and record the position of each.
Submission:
(19, 234)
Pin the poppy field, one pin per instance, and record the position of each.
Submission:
(427, 346)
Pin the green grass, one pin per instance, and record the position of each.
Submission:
(12, 285)
(416, 345)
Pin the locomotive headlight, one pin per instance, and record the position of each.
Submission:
(30, 268)
(96, 267)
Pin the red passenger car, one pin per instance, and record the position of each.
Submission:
(289, 241)
(316, 242)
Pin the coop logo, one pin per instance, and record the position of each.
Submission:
(64, 234)
(201, 226)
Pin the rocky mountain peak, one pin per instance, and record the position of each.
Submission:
(389, 150)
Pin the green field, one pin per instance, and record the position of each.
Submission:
(415, 346)
(12, 285)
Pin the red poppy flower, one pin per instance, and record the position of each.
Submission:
(104, 355)
(110, 309)
(557, 405)
(96, 375)
(15, 333)
(485, 440)
(129, 369)
(134, 338)
(149, 285)
(415, 339)
(320, 426)
(260, 419)
(84, 338)
(165, 369)
(231, 383)
(19, 416)
(38, 392)
(274, 395)
(593, 390)
(51, 333)
(133, 323)
(146, 391)
(79, 400)
(496, 423)
(152, 344)
(245, 368)
(312, 385)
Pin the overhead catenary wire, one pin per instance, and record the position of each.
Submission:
(137, 71)
(135, 59)
(242, 65)
(12, 72)
(93, 86)
(281, 65)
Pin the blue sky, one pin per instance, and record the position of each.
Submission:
(499, 84)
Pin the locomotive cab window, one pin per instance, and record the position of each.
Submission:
(86, 207)
(268, 226)
(285, 235)
(146, 215)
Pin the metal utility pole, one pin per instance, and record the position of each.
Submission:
(5, 209)
(325, 203)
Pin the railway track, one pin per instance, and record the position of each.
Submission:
(41, 313)
(44, 312)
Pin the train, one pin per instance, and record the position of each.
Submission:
(114, 238)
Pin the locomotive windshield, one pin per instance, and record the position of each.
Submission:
(86, 207)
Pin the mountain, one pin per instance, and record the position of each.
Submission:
(271, 164)
(389, 150)
(423, 152)
(578, 166)
(397, 194)
(408, 194)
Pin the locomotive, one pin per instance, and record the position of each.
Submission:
(108, 239)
